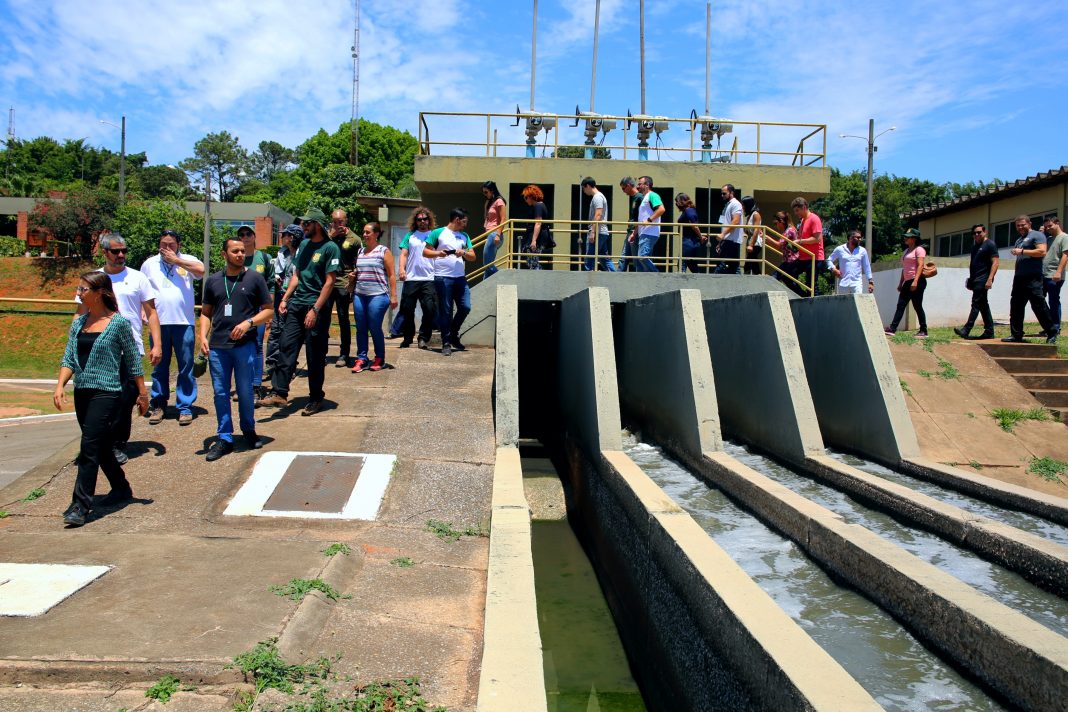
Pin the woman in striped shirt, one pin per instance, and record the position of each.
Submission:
(375, 291)
(100, 340)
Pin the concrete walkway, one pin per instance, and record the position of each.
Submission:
(189, 586)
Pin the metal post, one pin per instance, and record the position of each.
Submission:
(534, 55)
(122, 164)
(643, 151)
(207, 235)
(867, 219)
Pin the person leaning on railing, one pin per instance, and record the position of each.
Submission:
(790, 263)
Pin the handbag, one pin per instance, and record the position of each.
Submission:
(929, 270)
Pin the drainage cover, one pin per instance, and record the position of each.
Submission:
(314, 485)
(33, 589)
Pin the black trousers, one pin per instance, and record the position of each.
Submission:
(1028, 288)
(728, 250)
(128, 398)
(275, 333)
(315, 341)
(97, 412)
(421, 291)
(980, 306)
(342, 302)
(906, 295)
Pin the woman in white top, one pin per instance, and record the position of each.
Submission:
(754, 249)
(374, 292)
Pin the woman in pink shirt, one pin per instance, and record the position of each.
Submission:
(496, 213)
(912, 284)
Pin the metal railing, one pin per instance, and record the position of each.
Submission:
(757, 142)
(673, 261)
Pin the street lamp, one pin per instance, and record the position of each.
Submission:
(122, 158)
(872, 148)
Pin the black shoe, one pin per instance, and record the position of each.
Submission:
(1051, 339)
(1013, 340)
(120, 455)
(961, 331)
(253, 441)
(218, 449)
(986, 335)
(446, 350)
(117, 497)
(457, 346)
(75, 515)
(423, 344)
(313, 407)
(404, 344)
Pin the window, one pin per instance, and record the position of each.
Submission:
(1005, 232)
(953, 244)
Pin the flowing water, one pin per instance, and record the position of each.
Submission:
(1021, 520)
(895, 668)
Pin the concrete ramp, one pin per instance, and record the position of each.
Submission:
(858, 398)
(760, 378)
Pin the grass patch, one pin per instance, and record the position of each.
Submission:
(903, 338)
(1048, 469)
(970, 414)
(403, 561)
(975, 465)
(36, 493)
(269, 671)
(163, 689)
(1008, 417)
(31, 345)
(4, 514)
(297, 589)
(905, 386)
(334, 549)
(446, 531)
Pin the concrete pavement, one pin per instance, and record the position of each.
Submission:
(188, 590)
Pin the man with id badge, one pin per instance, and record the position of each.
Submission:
(236, 303)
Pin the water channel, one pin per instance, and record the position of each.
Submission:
(894, 667)
(1021, 520)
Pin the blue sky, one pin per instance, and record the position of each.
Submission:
(975, 89)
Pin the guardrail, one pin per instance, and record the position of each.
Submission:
(757, 142)
(508, 257)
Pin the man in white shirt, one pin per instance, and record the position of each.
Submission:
(853, 268)
(730, 240)
(450, 247)
(135, 296)
(647, 231)
(171, 274)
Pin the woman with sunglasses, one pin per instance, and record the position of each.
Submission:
(417, 273)
(100, 341)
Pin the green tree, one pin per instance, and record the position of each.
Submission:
(164, 182)
(219, 158)
(387, 151)
(77, 219)
(337, 186)
(271, 158)
(580, 152)
(142, 221)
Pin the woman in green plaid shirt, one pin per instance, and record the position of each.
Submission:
(99, 342)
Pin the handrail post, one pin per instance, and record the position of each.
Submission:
(758, 148)
(489, 121)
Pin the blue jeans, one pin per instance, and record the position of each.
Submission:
(238, 364)
(1053, 296)
(257, 366)
(646, 243)
(370, 310)
(452, 290)
(177, 338)
(691, 248)
(604, 248)
(489, 252)
(630, 249)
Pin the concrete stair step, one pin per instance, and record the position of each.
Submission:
(998, 349)
(1017, 366)
(1044, 381)
(1052, 399)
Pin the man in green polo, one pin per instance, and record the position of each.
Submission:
(306, 304)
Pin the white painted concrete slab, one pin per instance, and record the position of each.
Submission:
(33, 589)
(363, 503)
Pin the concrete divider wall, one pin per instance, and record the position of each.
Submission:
(665, 371)
(760, 376)
(700, 633)
(506, 367)
(858, 397)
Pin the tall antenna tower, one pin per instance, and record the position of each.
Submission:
(354, 122)
(11, 124)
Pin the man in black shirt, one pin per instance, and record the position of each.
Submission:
(980, 279)
(1027, 282)
(630, 249)
(236, 302)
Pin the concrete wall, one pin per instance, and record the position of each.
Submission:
(665, 370)
(586, 386)
(945, 301)
(506, 367)
(858, 400)
(760, 376)
(557, 285)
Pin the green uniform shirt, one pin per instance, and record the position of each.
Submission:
(313, 262)
(349, 245)
(258, 261)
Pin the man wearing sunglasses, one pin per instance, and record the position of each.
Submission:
(135, 295)
(984, 266)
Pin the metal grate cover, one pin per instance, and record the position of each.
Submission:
(315, 483)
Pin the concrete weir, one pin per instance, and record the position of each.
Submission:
(774, 411)
(700, 633)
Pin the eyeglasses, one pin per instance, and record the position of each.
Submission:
(978, 232)
(83, 290)
(724, 195)
(423, 218)
(118, 250)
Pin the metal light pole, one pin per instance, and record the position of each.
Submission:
(122, 158)
(207, 236)
(872, 148)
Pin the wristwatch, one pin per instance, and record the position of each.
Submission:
(251, 324)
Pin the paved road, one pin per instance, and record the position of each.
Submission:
(27, 443)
